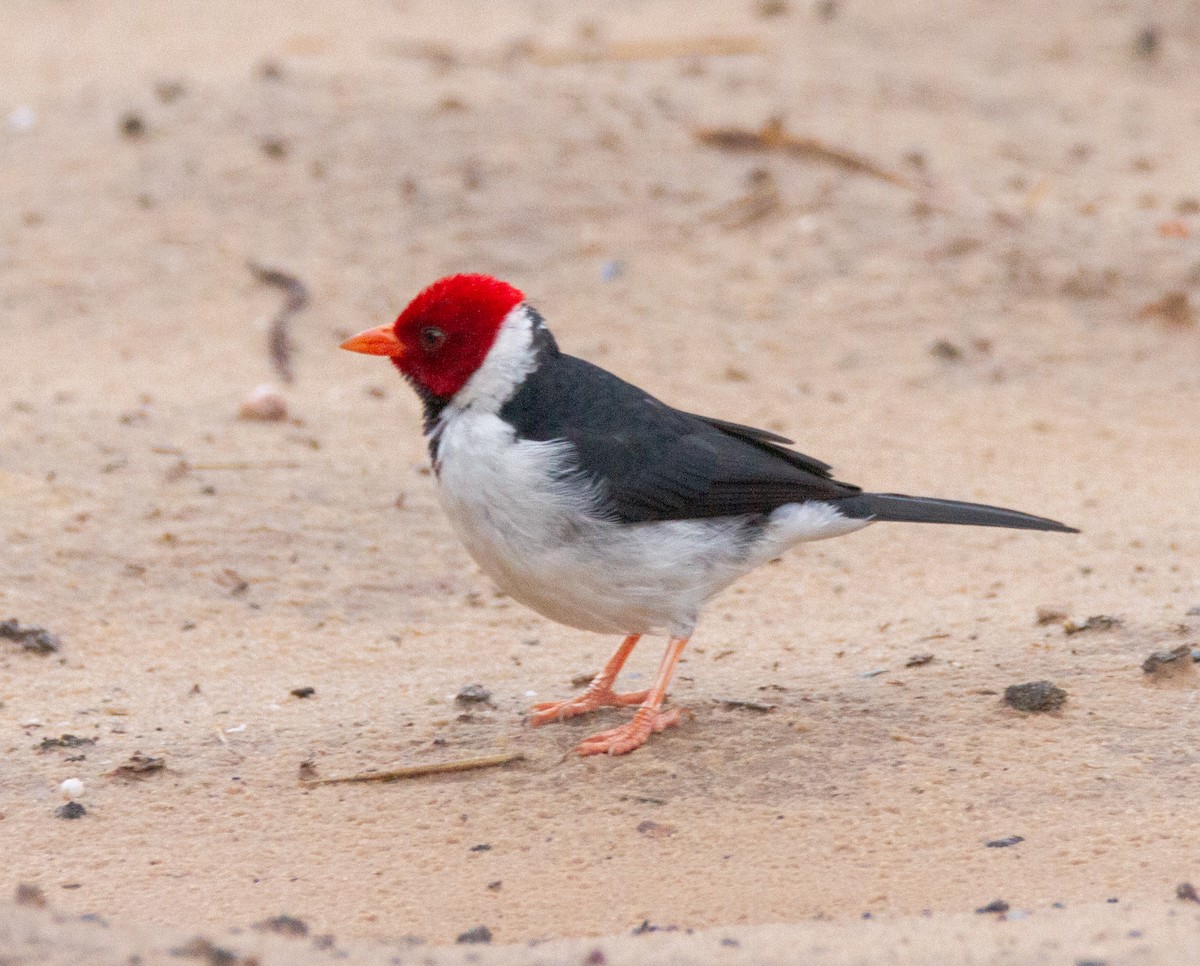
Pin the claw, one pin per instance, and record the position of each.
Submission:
(590, 700)
(631, 735)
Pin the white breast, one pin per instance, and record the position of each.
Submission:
(536, 528)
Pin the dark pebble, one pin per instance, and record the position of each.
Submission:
(996, 905)
(70, 810)
(303, 692)
(207, 950)
(1097, 622)
(1158, 661)
(1036, 696)
(473, 694)
(284, 925)
(133, 126)
(1148, 42)
(29, 894)
(480, 934)
(37, 640)
(1187, 892)
(1005, 842)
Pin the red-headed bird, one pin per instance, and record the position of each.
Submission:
(600, 507)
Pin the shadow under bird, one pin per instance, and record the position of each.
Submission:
(600, 507)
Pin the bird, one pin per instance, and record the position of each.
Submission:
(597, 505)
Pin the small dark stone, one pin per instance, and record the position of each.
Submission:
(947, 350)
(133, 126)
(481, 847)
(63, 741)
(275, 148)
(480, 934)
(207, 950)
(138, 767)
(70, 810)
(1036, 696)
(1148, 42)
(596, 958)
(730, 942)
(996, 905)
(1159, 660)
(1005, 842)
(303, 692)
(918, 660)
(284, 925)
(29, 894)
(95, 919)
(473, 694)
(1187, 892)
(1097, 622)
(36, 640)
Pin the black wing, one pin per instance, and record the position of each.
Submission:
(655, 462)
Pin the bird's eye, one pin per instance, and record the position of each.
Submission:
(432, 338)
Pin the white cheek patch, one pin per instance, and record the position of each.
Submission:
(510, 359)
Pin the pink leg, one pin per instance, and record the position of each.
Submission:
(599, 693)
(647, 719)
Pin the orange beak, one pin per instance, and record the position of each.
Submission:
(379, 341)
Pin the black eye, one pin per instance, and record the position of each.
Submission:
(432, 338)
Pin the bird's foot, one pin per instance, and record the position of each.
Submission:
(590, 700)
(632, 734)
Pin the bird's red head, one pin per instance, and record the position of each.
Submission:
(445, 333)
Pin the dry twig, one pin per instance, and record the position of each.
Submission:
(772, 137)
(279, 343)
(419, 771)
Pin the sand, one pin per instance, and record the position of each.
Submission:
(1013, 317)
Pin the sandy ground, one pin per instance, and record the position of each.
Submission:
(1014, 318)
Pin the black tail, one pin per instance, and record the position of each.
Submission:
(924, 509)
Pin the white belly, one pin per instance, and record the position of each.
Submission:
(543, 543)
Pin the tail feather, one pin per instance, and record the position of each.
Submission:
(923, 509)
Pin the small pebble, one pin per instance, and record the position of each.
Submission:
(30, 894)
(473, 694)
(132, 126)
(22, 118)
(612, 270)
(264, 405)
(480, 934)
(70, 811)
(1165, 661)
(72, 788)
(1051, 615)
(1097, 622)
(1036, 696)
